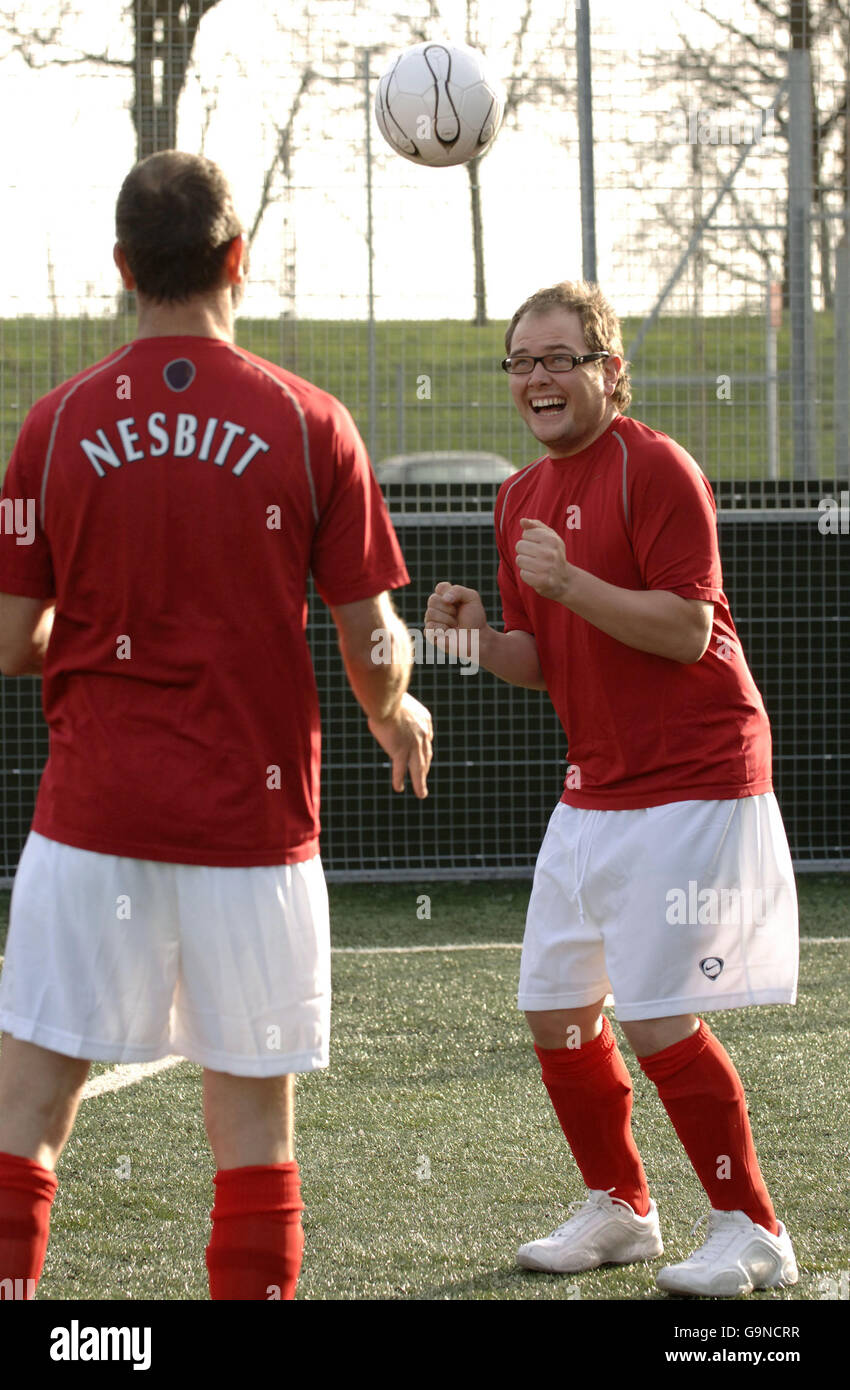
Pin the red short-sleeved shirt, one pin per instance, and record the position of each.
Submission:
(182, 490)
(636, 510)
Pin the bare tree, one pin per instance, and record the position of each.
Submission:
(531, 82)
(281, 163)
(163, 34)
(746, 65)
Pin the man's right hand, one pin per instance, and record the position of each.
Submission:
(512, 656)
(408, 737)
(453, 606)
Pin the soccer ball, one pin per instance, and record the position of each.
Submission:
(439, 104)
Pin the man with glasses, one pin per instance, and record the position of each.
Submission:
(664, 876)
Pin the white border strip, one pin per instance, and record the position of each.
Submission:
(418, 950)
(486, 946)
(127, 1075)
(511, 946)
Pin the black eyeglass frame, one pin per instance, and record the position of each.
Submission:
(576, 361)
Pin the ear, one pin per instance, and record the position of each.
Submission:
(611, 368)
(236, 260)
(121, 261)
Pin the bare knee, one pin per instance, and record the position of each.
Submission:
(40, 1093)
(249, 1119)
(650, 1035)
(553, 1028)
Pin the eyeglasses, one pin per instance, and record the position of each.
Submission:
(552, 361)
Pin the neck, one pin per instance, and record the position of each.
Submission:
(206, 316)
(561, 453)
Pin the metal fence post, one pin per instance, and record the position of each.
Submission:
(585, 142)
(803, 375)
(842, 356)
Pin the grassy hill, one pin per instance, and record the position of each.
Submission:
(438, 383)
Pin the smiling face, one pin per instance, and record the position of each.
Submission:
(565, 411)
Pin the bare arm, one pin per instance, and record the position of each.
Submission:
(650, 620)
(377, 655)
(376, 652)
(512, 656)
(25, 628)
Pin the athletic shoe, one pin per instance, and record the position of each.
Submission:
(605, 1230)
(737, 1257)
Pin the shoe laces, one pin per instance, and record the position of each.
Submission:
(721, 1232)
(582, 1210)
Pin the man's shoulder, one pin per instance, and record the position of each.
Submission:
(658, 470)
(646, 446)
(47, 405)
(311, 398)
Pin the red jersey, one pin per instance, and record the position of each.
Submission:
(183, 489)
(636, 510)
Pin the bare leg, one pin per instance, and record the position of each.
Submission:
(249, 1119)
(553, 1028)
(40, 1093)
(650, 1035)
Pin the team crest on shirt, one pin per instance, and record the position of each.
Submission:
(711, 967)
(179, 374)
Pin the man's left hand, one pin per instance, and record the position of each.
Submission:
(542, 560)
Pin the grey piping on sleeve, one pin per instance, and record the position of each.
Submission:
(305, 438)
(55, 427)
(523, 474)
(622, 443)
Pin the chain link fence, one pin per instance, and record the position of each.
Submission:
(722, 187)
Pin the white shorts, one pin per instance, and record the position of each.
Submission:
(128, 960)
(676, 909)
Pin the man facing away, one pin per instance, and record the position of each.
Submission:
(170, 897)
(665, 875)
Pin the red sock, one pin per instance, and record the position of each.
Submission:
(591, 1091)
(703, 1095)
(26, 1196)
(257, 1239)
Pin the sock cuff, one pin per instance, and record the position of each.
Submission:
(660, 1066)
(565, 1062)
(272, 1187)
(25, 1175)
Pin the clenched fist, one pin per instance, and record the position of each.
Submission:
(542, 560)
(453, 606)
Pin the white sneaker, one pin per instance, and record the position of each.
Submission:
(605, 1230)
(737, 1257)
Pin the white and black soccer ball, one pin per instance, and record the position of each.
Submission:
(439, 104)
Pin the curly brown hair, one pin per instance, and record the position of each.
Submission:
(174, 221)
(599, 323)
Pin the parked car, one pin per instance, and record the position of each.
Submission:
(444, 466)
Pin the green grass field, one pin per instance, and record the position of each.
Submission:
(468, 407)
(429, 1150)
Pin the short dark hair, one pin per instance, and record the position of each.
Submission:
(174, 221)
(599, 323)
